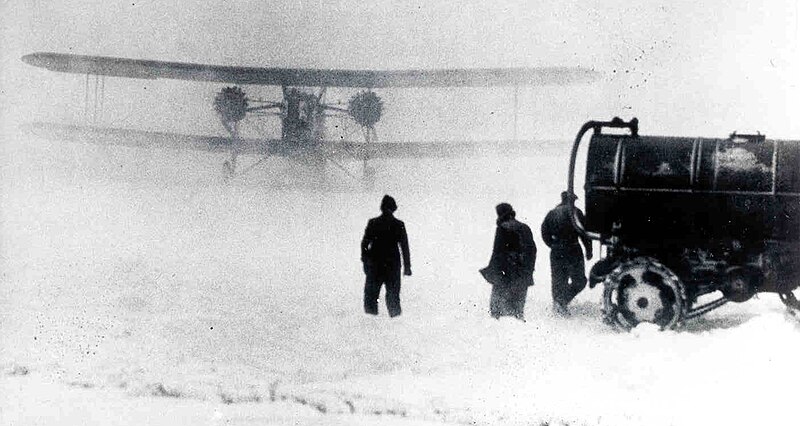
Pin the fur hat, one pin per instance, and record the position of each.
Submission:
(504, 210)
(566, 196)
(388, 204)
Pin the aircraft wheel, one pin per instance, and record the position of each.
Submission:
(369, 178)
(790, 300)
(227, 171)
(643, 290)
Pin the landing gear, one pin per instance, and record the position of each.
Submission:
(369, 178)
(231, 106)
(643, 290)
(789, 299)
(228, 171)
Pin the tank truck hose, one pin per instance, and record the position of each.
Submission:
(597, 126)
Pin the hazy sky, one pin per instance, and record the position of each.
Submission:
(682, 67)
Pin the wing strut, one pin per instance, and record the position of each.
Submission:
(86, 98)
(516, 111)
(93, 105)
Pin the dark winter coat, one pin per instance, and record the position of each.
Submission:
(559, 233)
(384, 239)
(513, 256)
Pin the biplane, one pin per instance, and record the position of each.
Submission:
(302, 110)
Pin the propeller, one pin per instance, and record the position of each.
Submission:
(231, 104)
(365, 108)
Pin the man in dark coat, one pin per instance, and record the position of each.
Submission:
(510, 269)
(568, 272)
(384, 239)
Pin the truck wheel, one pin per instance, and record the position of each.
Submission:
(643, 290)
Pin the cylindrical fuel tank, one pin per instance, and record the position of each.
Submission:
(673, 191)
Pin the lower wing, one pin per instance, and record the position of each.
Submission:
(278, 147)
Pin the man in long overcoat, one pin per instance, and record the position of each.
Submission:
(511, 266)
(568, 271)
(384, 240)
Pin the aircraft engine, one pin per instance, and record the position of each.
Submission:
(366, 108)
(231, 104)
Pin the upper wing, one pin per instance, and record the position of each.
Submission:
(146, 69)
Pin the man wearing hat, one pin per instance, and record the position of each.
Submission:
(511, 266)
(568, 272)
(384, 239)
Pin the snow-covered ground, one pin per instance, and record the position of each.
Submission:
(138, 289)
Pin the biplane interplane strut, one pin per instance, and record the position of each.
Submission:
(302, 109)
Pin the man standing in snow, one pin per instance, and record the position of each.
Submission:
(510, 270)
(384, 239)
(568, 272)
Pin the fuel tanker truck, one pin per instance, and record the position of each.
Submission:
(680, 218)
